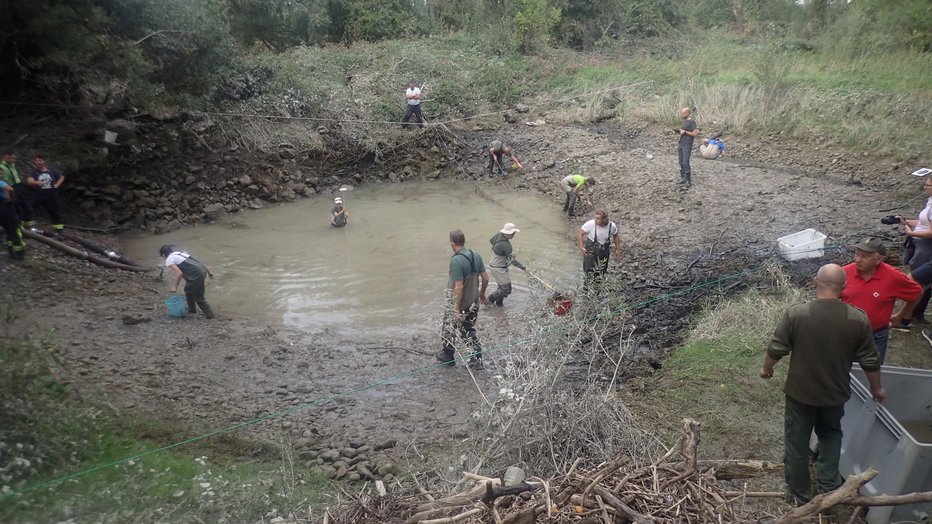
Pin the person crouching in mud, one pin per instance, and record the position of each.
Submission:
(194, 273)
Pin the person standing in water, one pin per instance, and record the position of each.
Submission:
(502, 257)
(194, 272)
(339, 216)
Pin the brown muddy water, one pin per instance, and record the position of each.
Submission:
(385, 272)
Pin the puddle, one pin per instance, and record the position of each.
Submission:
(385, 272)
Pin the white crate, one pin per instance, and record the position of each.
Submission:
(808, 243)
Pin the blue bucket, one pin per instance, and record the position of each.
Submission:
(177, 306)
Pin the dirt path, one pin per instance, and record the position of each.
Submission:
(213, 374)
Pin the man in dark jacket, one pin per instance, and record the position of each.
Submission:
(822, 337)
(502, 257)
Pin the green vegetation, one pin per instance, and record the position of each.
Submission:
(847, 74)
(714, 377)
(47, 433)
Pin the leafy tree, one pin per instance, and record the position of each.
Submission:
(870, 26)
(650, 17)
(373, 20)
(586, 22)
(534, 22)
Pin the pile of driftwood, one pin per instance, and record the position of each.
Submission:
(615, 492)
(677, 487)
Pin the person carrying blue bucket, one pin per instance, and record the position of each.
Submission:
(194, 272)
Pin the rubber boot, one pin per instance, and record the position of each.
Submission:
(446, 356)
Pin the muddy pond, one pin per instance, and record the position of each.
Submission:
(385, 272)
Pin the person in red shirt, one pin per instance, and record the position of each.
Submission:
(874, 286)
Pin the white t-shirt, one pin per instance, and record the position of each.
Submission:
(412, 92)
(602, 233)
(924, 218)
(176, 258)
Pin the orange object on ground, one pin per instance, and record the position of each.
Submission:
(562, 307)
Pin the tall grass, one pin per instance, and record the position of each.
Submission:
(868, 103)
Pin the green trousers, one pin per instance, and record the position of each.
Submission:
(799, 421)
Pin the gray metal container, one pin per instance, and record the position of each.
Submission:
(894, 438)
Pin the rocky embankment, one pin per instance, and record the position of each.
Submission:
(178, 171)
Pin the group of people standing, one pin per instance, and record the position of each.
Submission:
(469, 279)
(18, 193)
(848, 321)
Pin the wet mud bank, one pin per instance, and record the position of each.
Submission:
(330, 389)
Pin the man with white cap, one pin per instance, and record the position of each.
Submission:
(502, 257)
(339, 216)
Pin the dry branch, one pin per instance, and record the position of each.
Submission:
(739, 469)
(616, 492)
(847, 491)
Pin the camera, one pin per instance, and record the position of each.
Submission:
(890, 220)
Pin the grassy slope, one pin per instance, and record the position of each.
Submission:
(55, 434)
(714, 376)
(873, 104)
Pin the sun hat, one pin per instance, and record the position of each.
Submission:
(509, 229)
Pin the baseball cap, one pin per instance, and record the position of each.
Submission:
(509, 229)
(337, 200)
(871, 245)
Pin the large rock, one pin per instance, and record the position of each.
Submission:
(213, 210)
(167, 227)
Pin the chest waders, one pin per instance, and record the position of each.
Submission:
(466, 328)
(498, 266)
(595, 263)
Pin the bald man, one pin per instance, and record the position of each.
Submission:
(823, 338)
(688, 133)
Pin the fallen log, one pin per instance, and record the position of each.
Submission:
(83, 254)
(824, 501)
(891, 500)
(848, 494)
(738, 469)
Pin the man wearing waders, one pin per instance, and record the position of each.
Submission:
(571, 185)
(466, 271)
(11, 176)
(10, 223)
(194, 273)
(497, 152)
(47, 180)
(594, 240)
(502, 257)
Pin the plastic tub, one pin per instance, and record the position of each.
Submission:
(808, 243)
(177, 306)
(894, 438)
